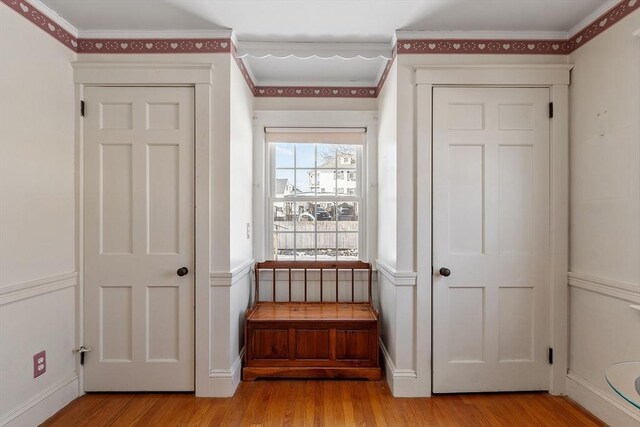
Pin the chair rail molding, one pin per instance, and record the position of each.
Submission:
(229, 278)
(398, 278)
(613, 288)
(34, 288)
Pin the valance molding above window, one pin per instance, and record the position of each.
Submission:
(353, 136)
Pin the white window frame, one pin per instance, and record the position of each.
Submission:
(336, 198)
(262, 226)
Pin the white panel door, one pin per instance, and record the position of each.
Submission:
(138, 232)
(491, 231)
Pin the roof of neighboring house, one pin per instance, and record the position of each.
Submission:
(281, 185)
(331, 163)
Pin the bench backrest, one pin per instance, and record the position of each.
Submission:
(322, 266)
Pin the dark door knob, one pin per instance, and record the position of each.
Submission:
(445, 272)
(182, 271)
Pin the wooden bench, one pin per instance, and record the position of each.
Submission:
(304, 339)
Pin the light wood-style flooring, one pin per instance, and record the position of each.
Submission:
(320, 403)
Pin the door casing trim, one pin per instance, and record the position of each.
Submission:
(557, 79)
(200, 77)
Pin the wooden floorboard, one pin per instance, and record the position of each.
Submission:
(321, 403)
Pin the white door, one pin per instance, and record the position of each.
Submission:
(491, 230)
(138, 231)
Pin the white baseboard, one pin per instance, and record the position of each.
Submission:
(402, 382)
(43, 405)
(224, 382)
(607, 408)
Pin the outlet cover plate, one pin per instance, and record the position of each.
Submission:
(39, 364)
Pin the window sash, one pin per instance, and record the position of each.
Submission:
(335, 198)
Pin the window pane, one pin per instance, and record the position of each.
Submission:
(283, 245)
(284, 184)
(348, 245)
(327, 246)
(305, 217)
(305, 155)
(346, 157)
(347, 183)
(283, 215)
(284, 155)
(326, 179)
(306, 182)
(347, 215)
(326, 156)
(305, 246)
(325, 215)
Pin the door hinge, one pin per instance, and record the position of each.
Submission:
(551, 110)
(550, 356)
(82, 350)
(82, 108)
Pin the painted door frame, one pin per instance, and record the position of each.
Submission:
(200, 77)
(557, 79)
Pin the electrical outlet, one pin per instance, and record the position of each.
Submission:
(248, 230)
(39, 364)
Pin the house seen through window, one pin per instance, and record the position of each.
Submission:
(316, 196)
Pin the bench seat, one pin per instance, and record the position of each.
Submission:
(311, 312)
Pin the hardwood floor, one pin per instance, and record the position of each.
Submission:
(321, 403)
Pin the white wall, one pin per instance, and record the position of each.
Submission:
(388, 167)
(240, 216)
(605, 216)
(314, 104)
(37, 228)
(241, 176)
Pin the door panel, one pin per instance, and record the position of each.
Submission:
(491, 229)
(139, 229)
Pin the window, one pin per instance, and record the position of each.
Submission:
(315, 198)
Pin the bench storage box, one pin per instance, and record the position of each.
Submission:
(336, 339)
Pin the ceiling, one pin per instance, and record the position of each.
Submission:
(320, 21)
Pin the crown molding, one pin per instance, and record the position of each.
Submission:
(234, 38)
(310, 50)
(168, 34)
(590, 18)
(601, 24)
(480, 35)
(45, 22)
(53, 16)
